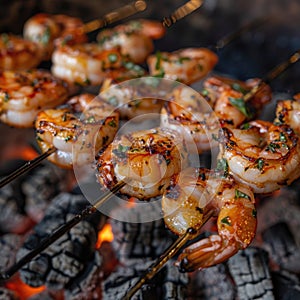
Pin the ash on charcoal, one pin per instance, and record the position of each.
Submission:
(6, 294)
(9, 245)
(41, 186)
(124, 277)
(211, 283)
(47, 295)
(12, 216)
(282, 247)
(286, 285)
(87, 286)
(168, 284)
(65, 259)
(137, 239)
(250, 272)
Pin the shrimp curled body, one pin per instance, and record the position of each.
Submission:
(191, 198)
(76, 139)
(24, 94)
(264, 156)
(146, 158)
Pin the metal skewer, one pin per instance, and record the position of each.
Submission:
(29, 165)
(61, 231)
(116, 15)
(167, 255)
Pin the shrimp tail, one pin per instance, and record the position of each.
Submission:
(206, 253)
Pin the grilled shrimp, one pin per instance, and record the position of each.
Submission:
(264, 156)
(187, 201)
(134, 39)
(199, 116)
(48, 31)
(188, 114)
(129, 99)
(17, 54)
(24, 94)
(72, 136)
(145, 159)
(89, 64)
(185, 65)
(288, 112)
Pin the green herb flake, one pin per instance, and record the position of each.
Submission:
(237, 87)
(272, 147)
(239, 194)
(204, 92)
(282, 137)
(64, 117)
(5, 38)
(260, 164)
(45, 38)
(168, 160)
(182, 59)
(91, 119)
(158, 60)
(112, 123)
(87, 81)
(222, 165)
(241, 105)
(67, 138)
(112, 58)
(226, 221)
(254, 213)
(245, 126)
(6, 97)
(38, 138)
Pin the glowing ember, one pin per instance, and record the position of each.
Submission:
(105, 235)
(23, 290)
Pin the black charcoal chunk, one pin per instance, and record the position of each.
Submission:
(136, 238)
(282, 246)
(211, 283)
(6, 294)
(124, 277)
(286, 285)
(250, 272)
(12, 216)
(9, 245)
(41, 186)
(88, 284)
(63, 260)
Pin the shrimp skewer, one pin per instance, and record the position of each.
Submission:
(44, 32)
(24, 94)
(199, 122)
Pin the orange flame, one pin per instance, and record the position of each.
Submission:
(105, 235)
(23, 290)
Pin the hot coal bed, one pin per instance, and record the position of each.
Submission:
(85, 263)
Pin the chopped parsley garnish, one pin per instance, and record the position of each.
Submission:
(239, 194)
(245, 126)
(6, 97)
(112, 57)
(226, 221)
(260, 164)
(222, 166)
(237, 87)
(112, 123)
(182, 59)
(272, 147)
(87, 81)
(45, 38)
(158, 60)
(67, 138)
(282, 137)
(254, 213)
(91, 119)
(204, 92)
(241, 105)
